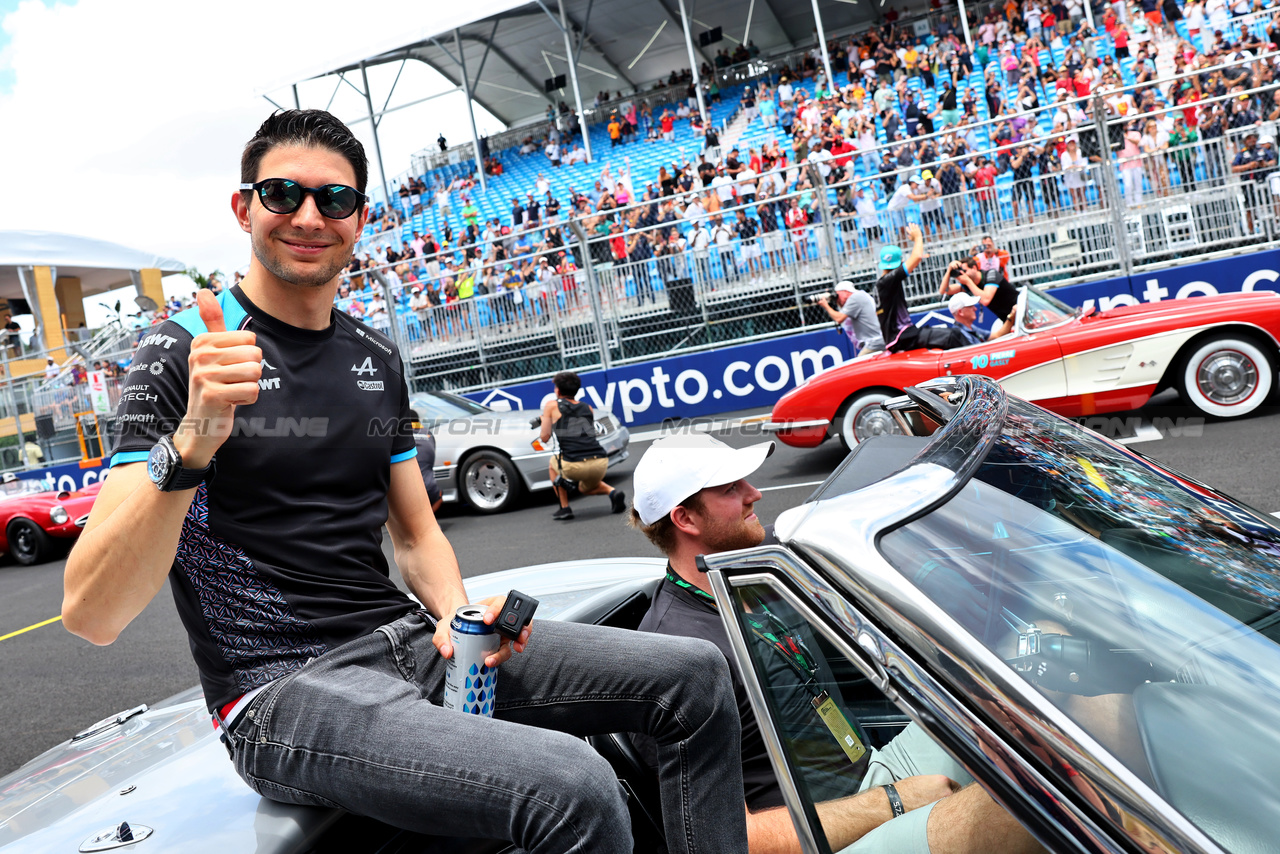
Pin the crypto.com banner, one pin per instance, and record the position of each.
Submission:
(747, 376)
(755, 375)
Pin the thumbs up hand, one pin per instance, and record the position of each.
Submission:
(224, 371)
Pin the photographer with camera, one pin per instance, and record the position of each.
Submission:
(856, 318)
(581, 458)
(989, 287)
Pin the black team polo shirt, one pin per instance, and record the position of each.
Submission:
(280, 557)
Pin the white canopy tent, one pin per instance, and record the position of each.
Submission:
(100, 265)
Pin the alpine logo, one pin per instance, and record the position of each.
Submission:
(365, 368)
(369, 385)
(267, 366)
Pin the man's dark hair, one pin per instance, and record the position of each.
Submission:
(309, 128)
(567, 383)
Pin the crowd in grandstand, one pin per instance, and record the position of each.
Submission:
(912, 129)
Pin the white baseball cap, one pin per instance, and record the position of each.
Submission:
(846, 285)
(678, 466)
(960, 301)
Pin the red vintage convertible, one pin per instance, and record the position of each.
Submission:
(1219, 352)
(37, 521)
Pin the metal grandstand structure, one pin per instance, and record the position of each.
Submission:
(614, 310)
(500, 53)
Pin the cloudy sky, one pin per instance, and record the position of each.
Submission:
(124, 119)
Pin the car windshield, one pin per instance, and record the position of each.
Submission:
(23, 486)
(1043, 311)
(437, 407)
(1141, 603)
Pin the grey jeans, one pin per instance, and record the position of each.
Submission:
(361, 728)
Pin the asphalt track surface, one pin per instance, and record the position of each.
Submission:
(55, 684)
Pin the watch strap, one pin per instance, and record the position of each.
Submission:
(184, 478)
(895, 801)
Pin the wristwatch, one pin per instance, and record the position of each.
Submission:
(164, 467)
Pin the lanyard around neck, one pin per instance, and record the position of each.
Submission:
(767, 627)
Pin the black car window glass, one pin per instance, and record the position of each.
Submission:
(826, 713)
(1142, 604)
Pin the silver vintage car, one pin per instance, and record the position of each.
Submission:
(488, 457)
(1094, 637)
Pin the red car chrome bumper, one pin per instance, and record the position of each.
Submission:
(799, 434)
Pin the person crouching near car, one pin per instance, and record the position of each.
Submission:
(992, 288)
(692, 498)
(581, 457)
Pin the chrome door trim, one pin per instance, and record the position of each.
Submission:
(772, 741)
(838, 537)
(925, 702)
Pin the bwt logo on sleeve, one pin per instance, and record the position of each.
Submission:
(159, 340)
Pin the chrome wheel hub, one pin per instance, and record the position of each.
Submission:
(1227, 377)
(487, 484)
(873, 421)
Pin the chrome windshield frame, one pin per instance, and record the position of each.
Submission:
(1025, 297)
(893, 670)
(839, 538)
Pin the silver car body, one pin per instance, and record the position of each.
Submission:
(462, 434)
(1144, 569)
(164, 768)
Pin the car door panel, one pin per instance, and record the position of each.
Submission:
(1029, 366)
(1122, 364)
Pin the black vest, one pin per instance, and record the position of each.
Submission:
(576, 431)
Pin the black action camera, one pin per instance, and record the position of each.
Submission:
(516, 613)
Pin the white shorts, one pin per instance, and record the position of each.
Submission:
(772, 241)
(751, 250)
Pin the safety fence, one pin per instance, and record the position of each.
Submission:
(60, 400)
(1105, 196)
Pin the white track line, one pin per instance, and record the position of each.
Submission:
(1144, 433)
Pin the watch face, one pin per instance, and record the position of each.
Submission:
(158, 463)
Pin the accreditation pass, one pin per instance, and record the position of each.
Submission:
(835, 721)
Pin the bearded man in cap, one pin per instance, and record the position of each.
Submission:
(692, 498)
(964, 308)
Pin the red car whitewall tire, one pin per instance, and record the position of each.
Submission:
(1226, 376)
(861, 417)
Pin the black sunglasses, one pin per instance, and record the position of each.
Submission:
(282, 196)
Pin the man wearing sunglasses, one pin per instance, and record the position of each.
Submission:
(277, 440)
